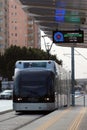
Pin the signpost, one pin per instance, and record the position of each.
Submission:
(73, 37)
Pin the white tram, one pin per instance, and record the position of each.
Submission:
(42, 88)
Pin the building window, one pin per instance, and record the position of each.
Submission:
(1, 12)
(1, 38)
(16, 34)
(1, 20)
(15, 6)
(15, 28)
(0, 29)
(0, 4)
(11, 6)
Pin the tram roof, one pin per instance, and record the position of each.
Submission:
(59, 15)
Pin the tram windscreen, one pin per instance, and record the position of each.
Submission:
(35, 64)
(35, 86)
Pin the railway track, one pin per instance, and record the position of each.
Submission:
(13, 121)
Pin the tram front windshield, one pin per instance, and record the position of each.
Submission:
(35, 87)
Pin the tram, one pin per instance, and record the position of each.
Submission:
(41, 88)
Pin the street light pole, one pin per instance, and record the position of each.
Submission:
(47, 46)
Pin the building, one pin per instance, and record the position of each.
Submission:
(34, 34)
(17, 22)
(17, 27)
(3, 25)
(22, 29)
(82, 83)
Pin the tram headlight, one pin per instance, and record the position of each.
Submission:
(19, 99)
(47, 99)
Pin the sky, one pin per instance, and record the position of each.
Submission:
(64, 54)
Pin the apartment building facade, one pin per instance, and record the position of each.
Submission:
(34, 34)
(3, 26)
(17, 27)
(22, 28)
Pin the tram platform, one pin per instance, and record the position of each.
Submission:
(72, 118)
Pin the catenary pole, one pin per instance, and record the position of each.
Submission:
(73, 75)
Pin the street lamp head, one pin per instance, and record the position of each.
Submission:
(44, 35)
(47, 46)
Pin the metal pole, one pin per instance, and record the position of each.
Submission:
(84, 100)
(73, 78)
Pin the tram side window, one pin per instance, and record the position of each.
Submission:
(55, 70)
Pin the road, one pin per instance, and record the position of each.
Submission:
(13, 121)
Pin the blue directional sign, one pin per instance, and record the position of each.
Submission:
(68, 36)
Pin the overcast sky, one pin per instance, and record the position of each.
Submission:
(64, 53)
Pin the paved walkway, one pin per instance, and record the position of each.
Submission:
(5, 105)
(73, 118)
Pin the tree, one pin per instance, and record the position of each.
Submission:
(14, 53)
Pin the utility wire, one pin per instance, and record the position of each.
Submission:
(81, 54)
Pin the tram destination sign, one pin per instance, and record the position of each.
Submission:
(68, 36)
